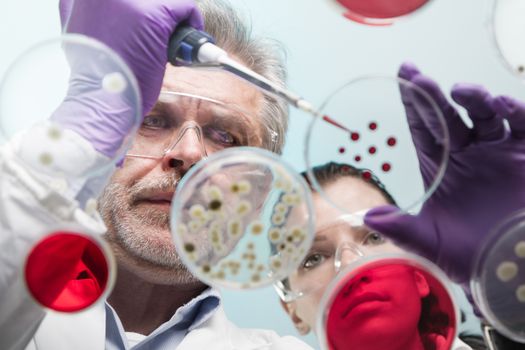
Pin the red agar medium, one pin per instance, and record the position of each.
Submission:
(66, 271)
(380, 9)
(374, 298)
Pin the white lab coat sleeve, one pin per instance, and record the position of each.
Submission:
(31, 204)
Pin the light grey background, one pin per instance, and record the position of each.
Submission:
(448, 39)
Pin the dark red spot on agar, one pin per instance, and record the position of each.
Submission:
(386, 167)
(354, 136)
(345, 168)
(342, 150)
(372, 150)
(366, 175)
(372, 126)
(357, 158)
(391, 141)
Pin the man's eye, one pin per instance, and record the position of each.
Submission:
(312, 261)
(155, 122)
(374, 238)
(221, 137)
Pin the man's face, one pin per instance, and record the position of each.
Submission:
(136, 203)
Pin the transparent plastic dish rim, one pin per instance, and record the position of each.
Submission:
(93, 238)
(445, 144)
(491, 18)
(501, 231)
(408, 259)
(239, 154)
(379, 21)
(85, 41)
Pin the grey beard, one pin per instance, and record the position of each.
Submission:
(136, 230)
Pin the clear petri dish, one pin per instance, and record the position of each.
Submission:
(508, 29)
(73, 68)
(242, 219)
(386, 301)
(69, 270)
(379, 12)
(363, 124)
(498, 280)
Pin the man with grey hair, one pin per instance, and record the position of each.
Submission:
(156, 302)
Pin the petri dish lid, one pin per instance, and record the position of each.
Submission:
(363, 125)
(69, 270)
(508, 29)
(379, 12)
(380, 298)
(498, 280)
(242, 219)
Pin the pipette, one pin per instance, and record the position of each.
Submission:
(189, 46)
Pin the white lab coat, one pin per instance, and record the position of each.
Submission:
(86, 331)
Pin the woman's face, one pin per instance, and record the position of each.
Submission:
(318, 268)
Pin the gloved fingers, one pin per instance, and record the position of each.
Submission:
(65, 7)
(514, 111)
(187, 14)
(459, 133)
(403, 229)
(422, 137)
(488, 125)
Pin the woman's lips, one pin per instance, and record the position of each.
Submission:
(356, 300)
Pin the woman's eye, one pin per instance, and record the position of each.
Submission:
(374, 238)
(221, 137)
(312, 261)
(154, 122)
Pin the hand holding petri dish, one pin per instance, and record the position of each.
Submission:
(64, 99)
(242, 219)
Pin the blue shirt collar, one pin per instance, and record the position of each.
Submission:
(188, 317)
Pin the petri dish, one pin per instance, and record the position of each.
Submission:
(498, 280)
(39, 81)
(379, 12)
(69, 271)
(363, 125)
(242, 219)
(508, 28)
(386, 301)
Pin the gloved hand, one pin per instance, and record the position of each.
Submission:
(139, 32)
(484, 181)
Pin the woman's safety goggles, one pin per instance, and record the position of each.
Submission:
(335, 245)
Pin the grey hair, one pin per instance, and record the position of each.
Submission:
(262, 55)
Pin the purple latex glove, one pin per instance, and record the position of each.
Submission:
(483, 183)
(137, 30)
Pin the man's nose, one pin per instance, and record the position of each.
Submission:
(186, 150)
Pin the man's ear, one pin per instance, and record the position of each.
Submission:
(302, 327)
(421, 283)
